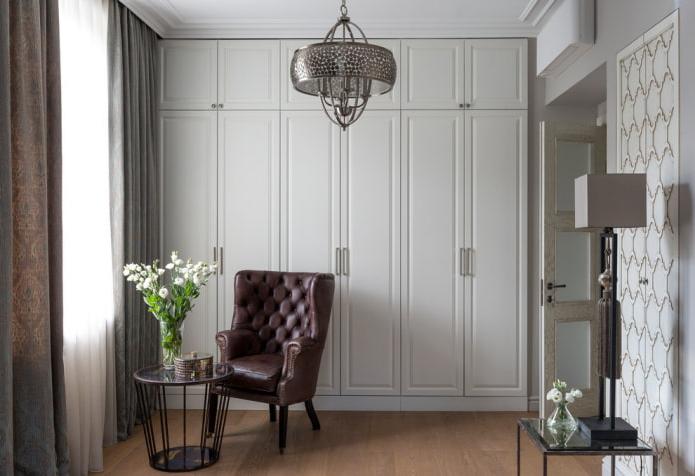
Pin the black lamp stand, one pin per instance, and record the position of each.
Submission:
(599, 427)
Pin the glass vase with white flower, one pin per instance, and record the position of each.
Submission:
(170, 302)
(561, 418)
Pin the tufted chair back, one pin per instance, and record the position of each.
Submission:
(280, 306)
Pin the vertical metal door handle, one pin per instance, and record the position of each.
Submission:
(337, 262)
(346, 262)
(469, 261)
(221, 260)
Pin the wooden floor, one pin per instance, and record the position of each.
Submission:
(361, 443)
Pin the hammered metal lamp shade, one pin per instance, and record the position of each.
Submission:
(344, 71)
(323, 68)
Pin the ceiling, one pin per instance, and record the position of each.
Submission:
(311, 18)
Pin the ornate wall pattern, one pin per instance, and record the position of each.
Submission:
(647, 142)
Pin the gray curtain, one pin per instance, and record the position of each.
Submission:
(135, 195)
(32, 393)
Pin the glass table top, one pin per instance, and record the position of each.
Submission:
(158, 375)
(553, 441)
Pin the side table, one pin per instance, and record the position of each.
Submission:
(553, 443)
(185, 457)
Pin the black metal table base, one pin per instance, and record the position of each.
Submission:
(184, 457)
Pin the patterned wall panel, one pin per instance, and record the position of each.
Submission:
(647, 142)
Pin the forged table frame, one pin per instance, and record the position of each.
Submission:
(578, 444)
(186, 457)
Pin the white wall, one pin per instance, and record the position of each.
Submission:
(618, 22)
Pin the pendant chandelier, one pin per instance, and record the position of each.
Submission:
(343, 70)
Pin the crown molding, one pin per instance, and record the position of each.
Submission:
(305, 29)
(535, 11)
(168, 24)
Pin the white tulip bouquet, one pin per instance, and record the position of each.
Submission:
(561, 417)
(170, 303)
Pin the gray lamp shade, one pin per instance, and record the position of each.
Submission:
(610, 201)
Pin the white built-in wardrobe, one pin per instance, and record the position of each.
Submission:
(419, 209)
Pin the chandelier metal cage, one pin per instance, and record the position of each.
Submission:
(344, 70)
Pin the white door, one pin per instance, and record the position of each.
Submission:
(496, 257)
(370, 275)
(496, 74)
(432, 74)
(188, 74)
(189, 203)
(432, 235)
(249, 74)
(569, 327)
(249, 198)
(291, 98)
(310, 217)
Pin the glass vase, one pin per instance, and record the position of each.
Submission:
(171, 339)
(561, 419)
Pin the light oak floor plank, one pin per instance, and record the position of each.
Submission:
(360, 443)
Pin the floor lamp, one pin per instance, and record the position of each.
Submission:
(607, 202)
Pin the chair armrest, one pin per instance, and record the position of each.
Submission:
(237, 343)
(300, 370)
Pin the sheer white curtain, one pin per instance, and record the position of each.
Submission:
(87, 268)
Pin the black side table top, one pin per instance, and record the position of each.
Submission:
(158, 375)
(577, 443)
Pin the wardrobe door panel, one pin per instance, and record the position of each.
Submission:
(496, 201)
(432, 296)
(189, 222)
(310, 203)
(496, 74)
(188, 74)
(249, 184)
(432, 74)
(391, 100)
(290, 97)
(370, 282)
(249, 74)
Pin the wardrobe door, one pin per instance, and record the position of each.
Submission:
(188, 74)
(496, 74)
(249, 74)
(249, 195)
(370, 276)
(310, 204)
(496, 234)
(391, 100)
(432, 238)
(432, 74)
(189, 203)
(290, 98)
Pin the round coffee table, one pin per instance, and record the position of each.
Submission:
(185, 457)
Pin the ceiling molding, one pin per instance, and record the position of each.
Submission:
(535, 11)
(303, 29)
(166, 21)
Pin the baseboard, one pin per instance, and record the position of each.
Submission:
(374, 403)
(533, 404)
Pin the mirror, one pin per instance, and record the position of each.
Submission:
(573, 266)
(573, 160)
(573, 353)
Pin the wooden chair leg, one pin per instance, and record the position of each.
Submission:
(312, 415)
(273, 414)
(212, 412)
(283, 428)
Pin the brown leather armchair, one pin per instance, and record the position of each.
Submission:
(275, 344)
